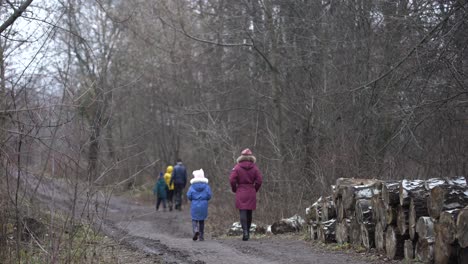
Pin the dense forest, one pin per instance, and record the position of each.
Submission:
(110, 92)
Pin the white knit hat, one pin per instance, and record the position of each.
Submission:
(198, 174)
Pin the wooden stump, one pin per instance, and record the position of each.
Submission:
(379, 237)
(425, 250)
(417, 209)
(391, 215)
(394, 243)
(340, 212)
(462, 227)
(402, 221)
(363, 211)
(409, 250)
(368, 235)
(444, 198)
(391, 193)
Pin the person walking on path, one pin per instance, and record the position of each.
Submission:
(179, 179)
(160, 190)
(170, 192)
(245, 180)
(199, 194)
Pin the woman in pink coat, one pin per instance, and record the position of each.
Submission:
(246, 180)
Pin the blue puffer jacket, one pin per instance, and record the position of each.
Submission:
(199, 194)
(179, 175)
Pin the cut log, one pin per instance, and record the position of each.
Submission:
(402, 221)
(391, 193)
(328, 209)
(313, 212)
(434, 182)
(342, 231)
(355, 232)
(462, 227)
(394, 243)
(444, 198)
(409, 250)
(425, 227)
(340, 212)
(326, 231)
(363, 211)
(350, 190)
(374, 202)
(409, 189)
(379, 237)
(417, 209)
(448, 220)
(425, 249)
(368, 235)
(444, 252)
(312, 231)
(391, 215)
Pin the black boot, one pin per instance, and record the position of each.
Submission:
(196, 231)
(245, 235)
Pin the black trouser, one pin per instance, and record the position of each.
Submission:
(178, 189)
(198, 226)
(246, 219)
(158, 202)
(170, 194)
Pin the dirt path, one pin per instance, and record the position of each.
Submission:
(172, 232)
(168, 234)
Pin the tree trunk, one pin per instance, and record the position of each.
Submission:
(425, 249)
(444, 198)
(394, 243)
(409, 250)
(368, 235)
(363, 211)
(417, 209)
(391, 193)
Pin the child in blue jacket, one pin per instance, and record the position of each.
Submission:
(160, 191)
(199, 194)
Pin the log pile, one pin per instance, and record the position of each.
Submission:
(420, 220)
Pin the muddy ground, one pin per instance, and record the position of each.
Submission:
(165, 237)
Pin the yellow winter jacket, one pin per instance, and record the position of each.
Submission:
(167, 177)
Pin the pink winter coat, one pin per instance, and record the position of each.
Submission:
(245, 180)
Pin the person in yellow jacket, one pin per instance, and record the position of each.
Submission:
(167, 178)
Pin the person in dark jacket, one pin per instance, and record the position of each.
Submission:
(179, 179)
(245, 180)
(199, 194)
(160, 190)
